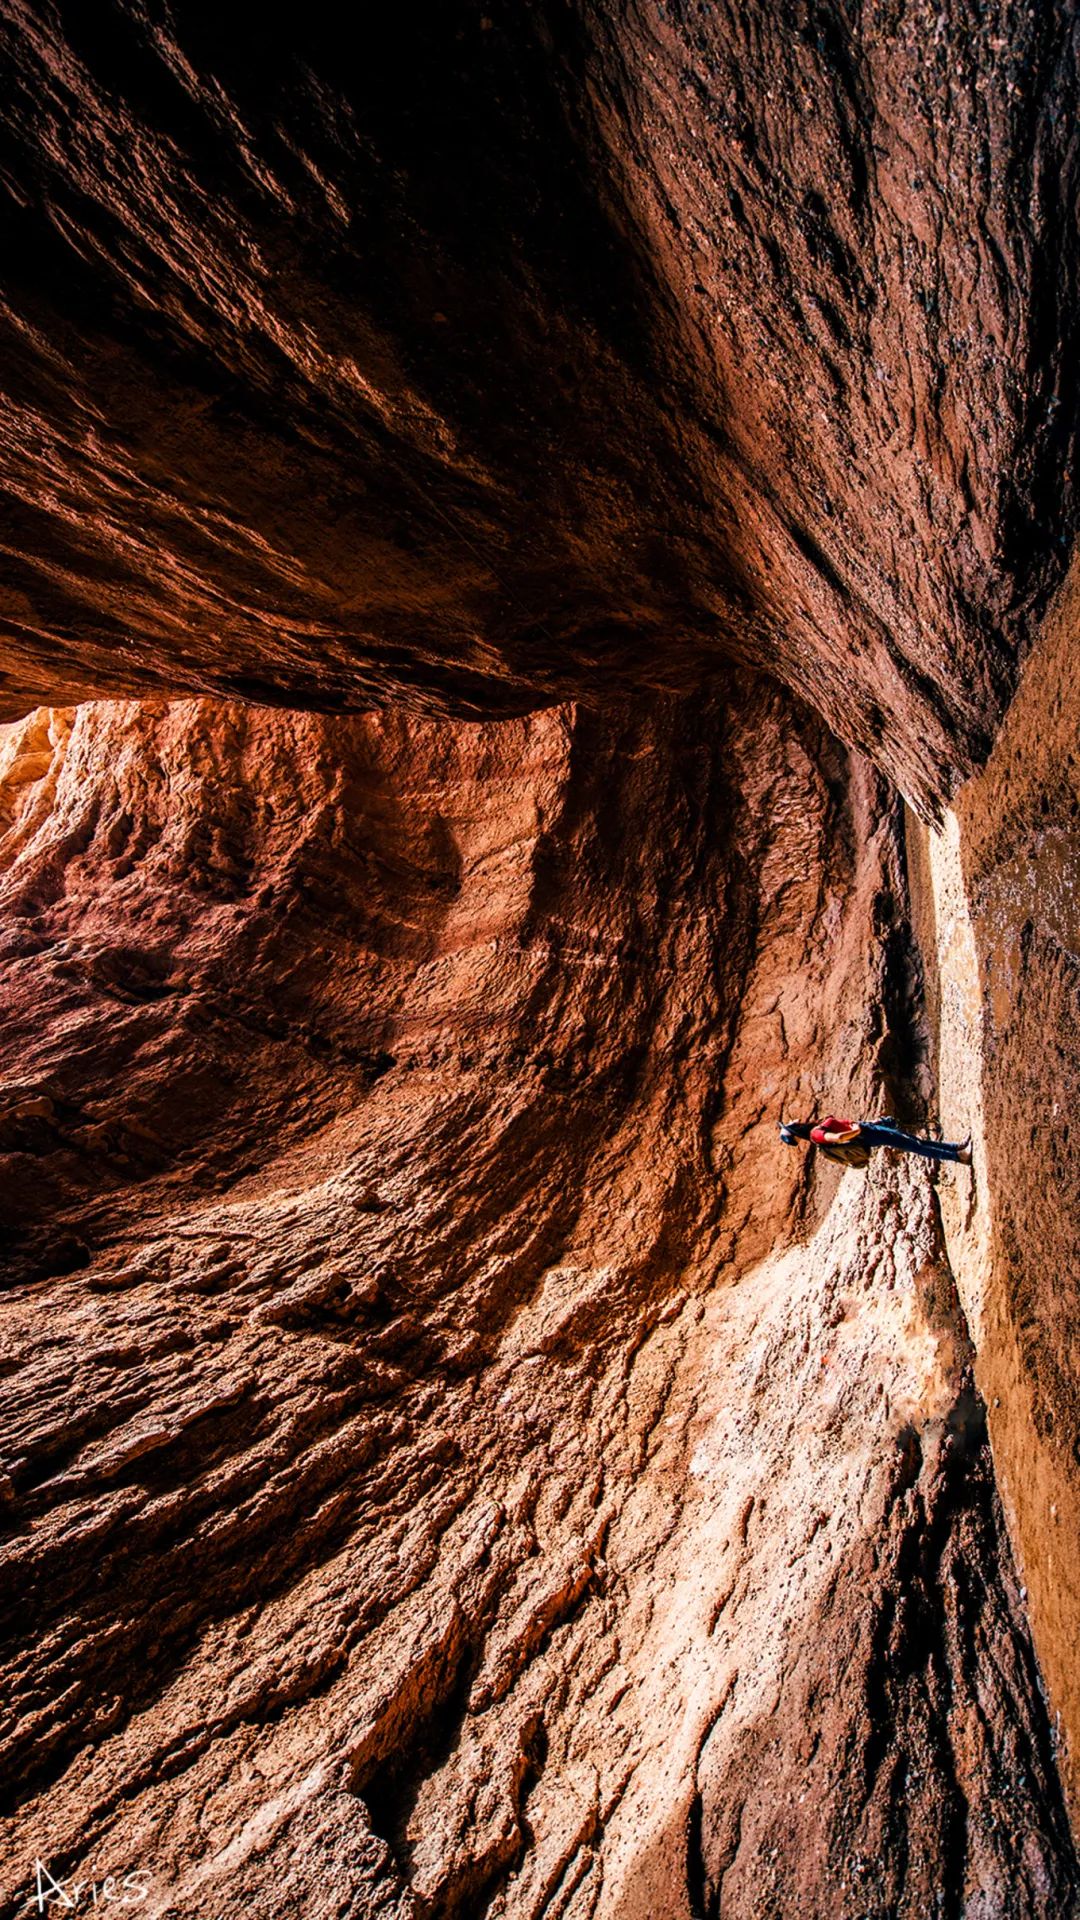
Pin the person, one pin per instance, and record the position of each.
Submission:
(853, 1142)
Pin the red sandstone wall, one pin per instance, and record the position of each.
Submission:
(388, 1116)
(455, 1461)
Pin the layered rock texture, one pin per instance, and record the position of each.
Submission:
(996, 909)
(498, 510)
(539, 353)
(396, 1215)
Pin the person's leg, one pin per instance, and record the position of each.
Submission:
(886, 1133)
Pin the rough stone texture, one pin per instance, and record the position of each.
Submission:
(998, 923)
(539, 353)
(516, 1527)
(455, 1462)
(222, 926)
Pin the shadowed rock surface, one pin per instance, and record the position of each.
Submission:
(540, 353)
(463, 483)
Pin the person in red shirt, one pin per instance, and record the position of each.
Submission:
(852, 1142)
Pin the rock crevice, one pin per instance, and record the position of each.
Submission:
(497, 509)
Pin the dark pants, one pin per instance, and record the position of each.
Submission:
(886, 1133)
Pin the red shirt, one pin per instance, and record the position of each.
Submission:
(831, 1125)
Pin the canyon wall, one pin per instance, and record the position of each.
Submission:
(457, 1460)
(502, 358)
(497, 507)
(996, 907)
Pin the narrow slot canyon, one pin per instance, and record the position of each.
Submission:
(537, 641)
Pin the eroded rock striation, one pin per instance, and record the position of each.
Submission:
(498, 509)
(996, 912)
(396, 1219)
(540, 353)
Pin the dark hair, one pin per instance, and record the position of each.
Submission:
(792, 1130)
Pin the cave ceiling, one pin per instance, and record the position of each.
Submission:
(487, 358)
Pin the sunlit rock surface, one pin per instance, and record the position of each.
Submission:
(400, 1309)
(997, 911)
(461, 487)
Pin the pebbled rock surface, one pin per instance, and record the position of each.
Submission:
(550, 352)
(457, 1461)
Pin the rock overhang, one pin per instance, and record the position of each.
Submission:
(512, 358)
